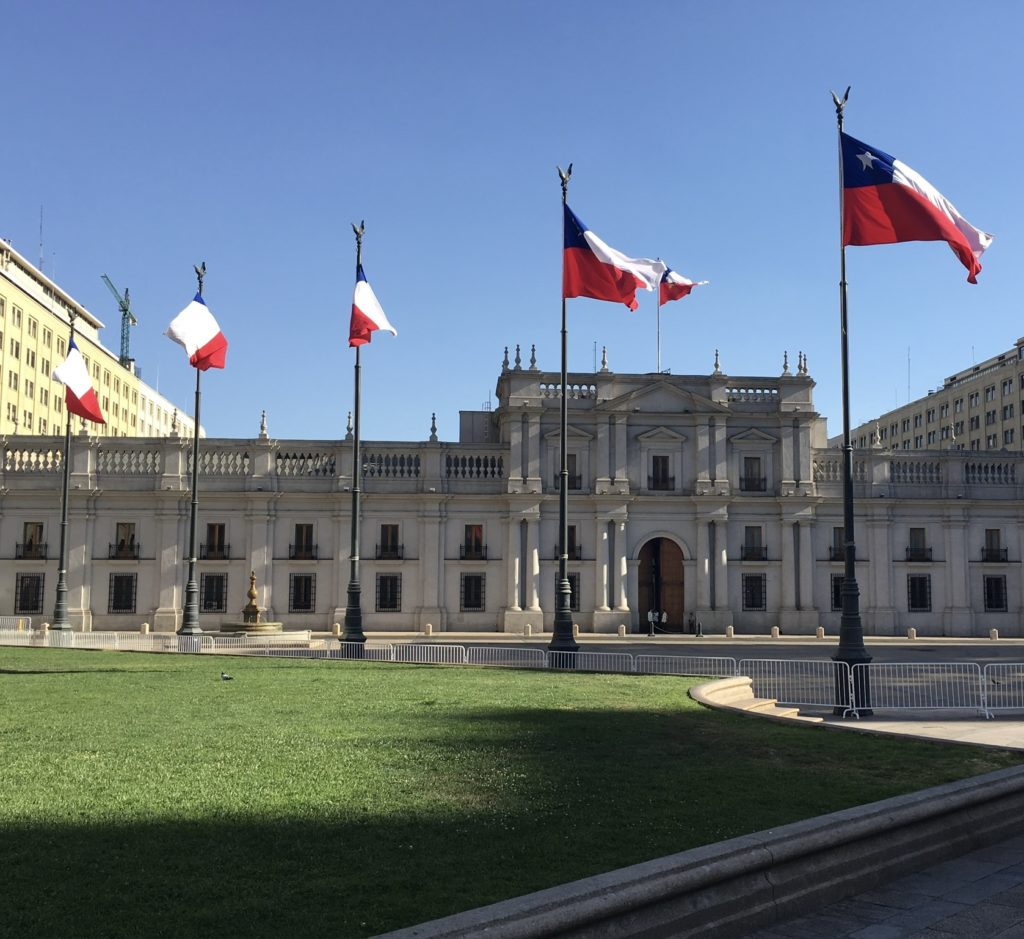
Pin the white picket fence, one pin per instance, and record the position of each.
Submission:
(876, 686)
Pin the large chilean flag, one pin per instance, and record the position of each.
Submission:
(367, 314)
(593, 269)
(885, 201)
(674, 286)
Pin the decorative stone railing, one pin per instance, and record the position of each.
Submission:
(915, 472)
(831, 471)
(296, 464)
(1001, 473)
(752, 394)
(33, 460)
(128, 462)
(581, 390)
(223, 462)
(474, 466)
(383, 465)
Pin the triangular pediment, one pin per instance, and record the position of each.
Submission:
(752, 435)
(571, 432)
(661, 435)
(662, 397)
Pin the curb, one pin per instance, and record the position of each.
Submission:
(730, 888)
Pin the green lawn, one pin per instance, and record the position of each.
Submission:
(142, 795)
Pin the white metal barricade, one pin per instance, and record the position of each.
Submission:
(368, 651)
(1004, 686)
(923, 686)
(811, 683)
(591, 661)
(429, 653)
(696, 665)
(16, 623)
(20, 637)
(506, 657)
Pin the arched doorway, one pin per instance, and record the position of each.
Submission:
(660, 583)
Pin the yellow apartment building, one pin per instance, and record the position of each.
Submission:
(35, 317)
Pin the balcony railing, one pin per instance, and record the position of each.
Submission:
(837, 552)
(123, 552)
(753, 484)
(390, 552)
(34, 550)
(919, 554)
(994, 555)
(574, 552)
(575, 482)
(302, 552)
(661, 483)
(472, 552)
(753, 552)
(215, 552)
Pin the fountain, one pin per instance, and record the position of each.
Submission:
(251, 622)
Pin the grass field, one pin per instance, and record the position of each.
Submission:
(143, 796)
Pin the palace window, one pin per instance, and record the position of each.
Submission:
(574, 592)
(121, 597)
(661, 473)
(837, 592)
(389, 549)
(213, 593)
(215, 548)
(124, 545)
(303, 549)
(473, 547)
(753, 548)
(919, 593)
(753, 479)
(754, 591)
(301, 593)
(472, 592)
(995, 593)
(28, 593)
(389, 593)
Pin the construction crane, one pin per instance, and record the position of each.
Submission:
(127, 319)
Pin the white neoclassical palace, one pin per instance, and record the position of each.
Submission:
(712, 495)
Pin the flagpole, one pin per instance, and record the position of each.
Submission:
(60, 607)
(190, 613)
(562, 639)
(657, 290)
(353, 631)
(851, 631)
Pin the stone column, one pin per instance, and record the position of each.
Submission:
(721, 465)
(703, 567)
(721, 568)
(532, 574)
(788, 570)
(621, 468)
(515, 450)
(513, 562)
(601, 548)
(534, 446)
(620, 570)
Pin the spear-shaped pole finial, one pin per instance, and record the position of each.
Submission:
(358, 230)
(200, 270)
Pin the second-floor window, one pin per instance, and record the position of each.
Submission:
(917, 549)
(303, 547)
(473, 547)
(389, 548)
(752, 479)
(993, 550)
(216, 548)
(32, 544)
(753, 549)
(124, 545)
(661, 476)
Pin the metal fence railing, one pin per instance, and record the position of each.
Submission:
(506, 658)
(811, 683)
(922, 686)
(1004, 686)
(888, 686)
(18, 623)
(692, 665)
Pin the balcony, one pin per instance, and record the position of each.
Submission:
(123, 552)
(32, 550)
(575, 482)
(919, 554)
(215, 552)
(661, 483)
(302, 552)
(994, 555)
(574, 553)
(472, 552)
(390, 552)
(753, 552)
(753, 484)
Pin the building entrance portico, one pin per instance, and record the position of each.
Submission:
(660, 584)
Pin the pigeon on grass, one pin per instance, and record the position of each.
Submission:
(224, 676)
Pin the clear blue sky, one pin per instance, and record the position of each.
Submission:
(251, 134)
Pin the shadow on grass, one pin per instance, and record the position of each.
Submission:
(469, 808)
(72, 671)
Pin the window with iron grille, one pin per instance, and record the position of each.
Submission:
(995, 593)
(213, 593)
(837, 592)
(301, 593)
(121, 598)
(753, 591)
(28, 593)
(389, 593)
(919, 593)
(574, 592)
(471, 591)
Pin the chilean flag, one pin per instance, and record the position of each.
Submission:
(885, 202)
(674, 286)
(79, 394)
(195, 329)
(593, 269)
(367, 314)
